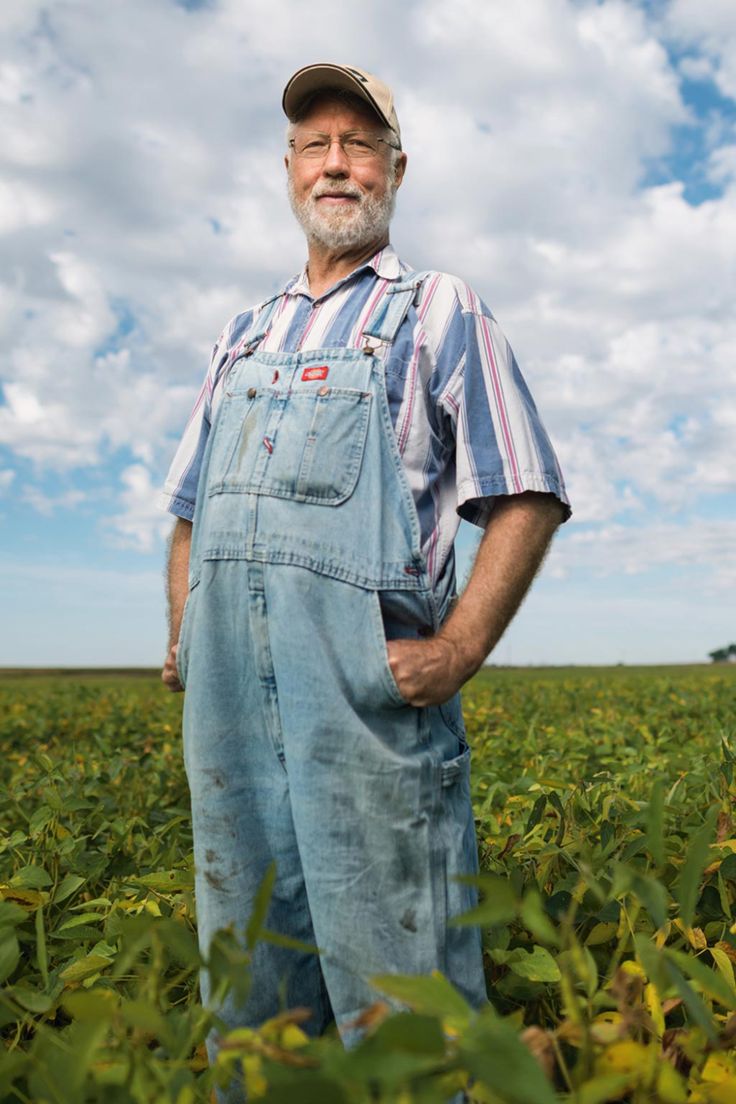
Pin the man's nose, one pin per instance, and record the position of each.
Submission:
(336, 162)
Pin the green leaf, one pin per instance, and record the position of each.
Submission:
(85, 967)
(141, 1014)
(499, 906)
(30, 999)
(311, 1090)
(699, 1014)
(655, 823)
(536, 814)
(688, 885)
(259, 911)
(493, 1052)
(537, 965)
(83, 918)
(12, 1068)
(93, 904)
(277, 939)
(404, 1046)
(61, 1065)
(411, 1032)
(167, 881)
(724, 965)
(32, 877)
(180, 941)
(11, 915)
(41, 949)
(431, 996)
(653, 896)
(536, 920)
(9, 952)
(39, 819)
(69, 884)
(92, 1005)
(602, 1089)
(710, 982)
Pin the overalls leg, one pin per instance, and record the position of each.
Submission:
(240, 795)
(380, 799)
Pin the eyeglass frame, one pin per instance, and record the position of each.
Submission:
(340, 138)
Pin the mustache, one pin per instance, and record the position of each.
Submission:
(335, 189)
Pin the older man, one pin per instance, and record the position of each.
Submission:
(344, 427)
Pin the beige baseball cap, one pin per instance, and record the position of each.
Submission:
(312, 78)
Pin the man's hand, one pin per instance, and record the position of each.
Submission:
(427, 672)
(170, 675)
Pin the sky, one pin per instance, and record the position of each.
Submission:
(574, 161)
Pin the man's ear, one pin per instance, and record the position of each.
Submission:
(400, 169)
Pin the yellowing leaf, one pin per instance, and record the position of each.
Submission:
(720, 1067)
(651, 996)
(626, 1056)
(670, 1086)
(694, 936)
(26, 898)
(724, 964)
(606, 1028)
(601, 933)
(293, 1037)
(255, 1083)
(632, 968)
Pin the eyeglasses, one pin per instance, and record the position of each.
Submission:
(357, 145)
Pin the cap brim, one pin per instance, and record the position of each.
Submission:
(313, 78)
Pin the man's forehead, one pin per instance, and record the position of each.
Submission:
(328, 106)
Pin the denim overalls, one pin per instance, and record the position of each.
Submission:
(298, 745)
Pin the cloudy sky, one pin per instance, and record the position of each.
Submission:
(574, 161)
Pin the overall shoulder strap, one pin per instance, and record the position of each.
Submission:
(252, 337)
(392, 308)
(261, 324)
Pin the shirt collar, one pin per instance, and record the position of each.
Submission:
(385, 263)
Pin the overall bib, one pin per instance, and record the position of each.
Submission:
(298, 745)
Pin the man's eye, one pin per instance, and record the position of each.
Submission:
(358, 143)
(314, 144)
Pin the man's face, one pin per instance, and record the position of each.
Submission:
(343, 203)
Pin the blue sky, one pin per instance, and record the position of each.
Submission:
(575, 162)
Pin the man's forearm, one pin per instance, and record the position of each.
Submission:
(516, 539)
(178, 575)
(517, 536)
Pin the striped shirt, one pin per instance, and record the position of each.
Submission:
(465, 423)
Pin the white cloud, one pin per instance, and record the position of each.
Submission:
(710, 25)
(705, 545)
(141, 522)
(47, 504)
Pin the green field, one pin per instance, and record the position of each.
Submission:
(604, 803)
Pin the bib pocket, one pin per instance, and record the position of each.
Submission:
(305, 444)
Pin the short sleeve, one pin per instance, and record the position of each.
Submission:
(502, 447)
(179, 493)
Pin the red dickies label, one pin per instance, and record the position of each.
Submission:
(318, 372)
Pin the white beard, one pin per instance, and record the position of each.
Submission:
(348, 226)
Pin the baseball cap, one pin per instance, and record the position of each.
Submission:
(312, 78)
